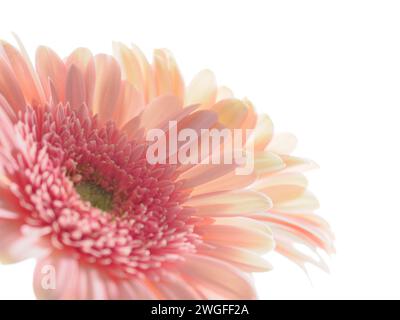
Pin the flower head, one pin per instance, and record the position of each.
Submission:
(79, 193)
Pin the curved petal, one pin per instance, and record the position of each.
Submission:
(251, 119)
(282, 186)
(8, 205)
(75, 91)
(202, 173)
(173, 286)
(227, 182)
(245, 260)
(262, 134)
(16, 246)
(130, 104)
(230, 203)
(8, 111)
(8, 136)
(49, 66)
(62, 275)
(57, 277)
(287, 245)
(238, 232)
(306, 202)
(220, 277)
(130, 66)
(137, 289)
(10, 88)
(267, 162)
(136, 70)
(297, 164)
(107, 86)
(282, 143)
(224, 93)
(202, 90)
(159, 111)
(303, 226)
(167, 76)
(82, 59)
(232, 113)
(21, 71)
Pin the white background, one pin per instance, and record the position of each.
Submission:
(328, 71)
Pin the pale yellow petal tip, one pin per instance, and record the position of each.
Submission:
(283, 143)
(224, 93)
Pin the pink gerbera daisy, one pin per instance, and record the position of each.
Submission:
(78, 194)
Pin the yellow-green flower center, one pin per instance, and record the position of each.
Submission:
(96, 195)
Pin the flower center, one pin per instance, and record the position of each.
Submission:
(96, 195)
(146, 224)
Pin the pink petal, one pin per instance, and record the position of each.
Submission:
(159, 111)
(167, 75)
(82, 59)
(230, 203)
(238, 232)
(292, 252)
(130, 104)
(7, 132)
(283, 187)
(217, 276)
(7, 110)
(262, 134)
(75, 87)
(21, 71)
(138, 289)
(196, 121)
(136, 70)
(245, 260)
(76, 279)
(204, 173)
(10, 88)
(130, 66)
(317, 235)
(15, 246)
(8, 205)
(227, 182)
(64, 270)
(173, 286)
(50, 67)
(251, 119)
(107, 86)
